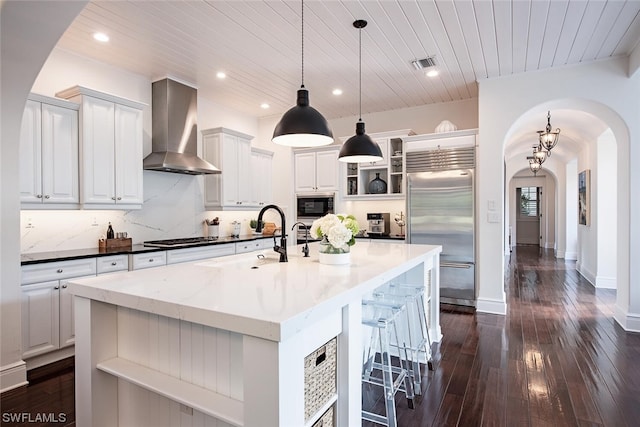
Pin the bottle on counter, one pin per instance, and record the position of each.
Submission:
(110, 233)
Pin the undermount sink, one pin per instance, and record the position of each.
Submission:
(250, 260)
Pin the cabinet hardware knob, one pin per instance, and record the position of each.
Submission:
(113, 198)
(47, 197)
(56, 287)
(39, 196)
(150, 259)
(119, 198)
(64, 286)
(59, 270)
(114, 263)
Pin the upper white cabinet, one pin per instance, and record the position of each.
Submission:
(316, 170)
(230, 151)
(49, 153)
(388, 172)
(261, 177)
(111, 138)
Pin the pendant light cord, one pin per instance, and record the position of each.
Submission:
(302, 2)
(360, 69)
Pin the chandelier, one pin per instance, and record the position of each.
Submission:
(547, 138)
(534, 165)
(537, 158)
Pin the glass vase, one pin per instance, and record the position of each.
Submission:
(378, 185)
(331, 255)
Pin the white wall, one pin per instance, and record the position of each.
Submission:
(611, 96)
(29, 30)
(606, 193)
(587, 234)
(571, 214)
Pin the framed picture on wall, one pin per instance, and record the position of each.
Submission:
(584, 191)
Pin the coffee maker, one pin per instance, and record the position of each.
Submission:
(378, 223)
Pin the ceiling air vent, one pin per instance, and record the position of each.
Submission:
(421, 64)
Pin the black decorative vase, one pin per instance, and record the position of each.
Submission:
(378, 185)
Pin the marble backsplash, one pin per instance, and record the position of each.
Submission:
(173, 208)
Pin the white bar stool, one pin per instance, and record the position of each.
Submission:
(416, 336)
(382, 321)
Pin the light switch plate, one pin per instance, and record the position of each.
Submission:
(493, 217)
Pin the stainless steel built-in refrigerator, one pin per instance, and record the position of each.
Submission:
(440, 211)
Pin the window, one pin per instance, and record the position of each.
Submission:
(529, 201)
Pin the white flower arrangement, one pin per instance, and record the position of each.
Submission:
(340, 230)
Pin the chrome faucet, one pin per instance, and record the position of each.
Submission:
(305, 248)
(282, 249)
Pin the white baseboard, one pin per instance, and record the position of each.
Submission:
(584, 272)
(630, 322)
(571, 256)
(13, 376)
(491, 306)
(47, 358)
(606, 282)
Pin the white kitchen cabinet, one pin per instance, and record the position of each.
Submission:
(230, 151)
(391, 169)
(49, 153)
(40, 318)
(147, 260)
(255, 245)
(112, 264)
(47, 306)
(261, 177)
(175, 256)
(111, 138)
(316, 170)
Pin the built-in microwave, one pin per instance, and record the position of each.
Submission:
(314, 206)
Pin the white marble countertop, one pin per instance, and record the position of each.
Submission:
(273, 301)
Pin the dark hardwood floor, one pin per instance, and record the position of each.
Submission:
(556, 359)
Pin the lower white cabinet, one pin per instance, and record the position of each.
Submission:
(47, 305)
(47, 317)
(252, 245)
(176, 256)
(113, 263)
(147, 260)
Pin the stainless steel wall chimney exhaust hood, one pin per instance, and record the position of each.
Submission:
(174, 142)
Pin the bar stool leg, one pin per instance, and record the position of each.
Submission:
(390, 403)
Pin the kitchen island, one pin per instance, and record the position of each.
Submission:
(224, 341)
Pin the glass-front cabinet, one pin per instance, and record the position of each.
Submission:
(383, 179)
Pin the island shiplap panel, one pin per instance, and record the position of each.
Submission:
(204, 356)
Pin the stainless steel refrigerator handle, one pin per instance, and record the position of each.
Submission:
(455, 265)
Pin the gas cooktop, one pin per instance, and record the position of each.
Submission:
(172, 243)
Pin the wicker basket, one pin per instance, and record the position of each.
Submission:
(319, 378)
(326, 420)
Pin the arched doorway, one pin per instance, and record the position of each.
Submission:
(588, 150)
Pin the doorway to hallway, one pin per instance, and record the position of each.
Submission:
(528, 215)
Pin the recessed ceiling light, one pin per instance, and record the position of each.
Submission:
(264, 105)
(101, 37)
(337, 92)
(432, 72)
(221, 75)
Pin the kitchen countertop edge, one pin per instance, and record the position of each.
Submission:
(67, 255)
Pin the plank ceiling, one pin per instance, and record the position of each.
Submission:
(258, 45)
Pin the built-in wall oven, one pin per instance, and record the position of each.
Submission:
(309, 208)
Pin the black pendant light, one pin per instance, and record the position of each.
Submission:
(360, 147)
(302, 125)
